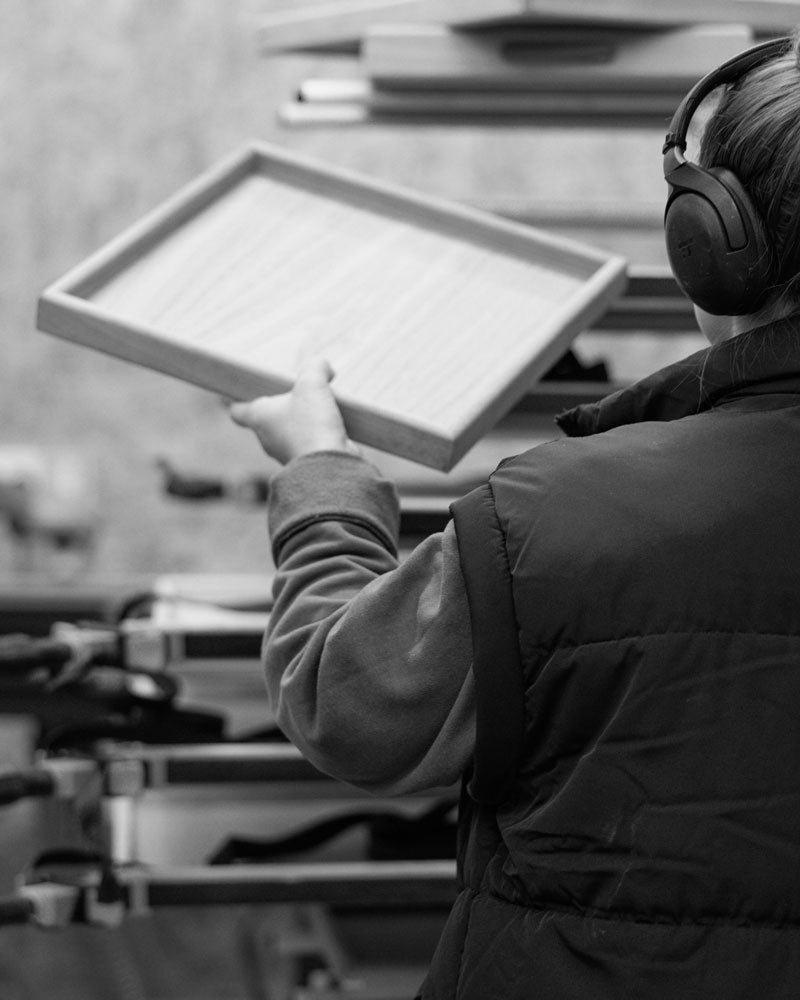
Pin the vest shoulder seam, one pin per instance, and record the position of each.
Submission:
(630, 916)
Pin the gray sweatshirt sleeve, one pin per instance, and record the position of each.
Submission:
(367, 658)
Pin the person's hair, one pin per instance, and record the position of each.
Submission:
(755, 132)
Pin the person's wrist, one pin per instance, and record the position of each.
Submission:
(333, 444)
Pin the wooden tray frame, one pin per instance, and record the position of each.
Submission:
(65, 309)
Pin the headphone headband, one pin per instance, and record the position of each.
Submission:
(728, 72)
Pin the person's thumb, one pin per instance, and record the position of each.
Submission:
(244, 413)
(314, 371)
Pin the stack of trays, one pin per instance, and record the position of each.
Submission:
(502, 61)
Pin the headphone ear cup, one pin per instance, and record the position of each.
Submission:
(716, 242)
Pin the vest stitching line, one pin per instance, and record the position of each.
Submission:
(723, 411)
(628, 916)
(554, 647)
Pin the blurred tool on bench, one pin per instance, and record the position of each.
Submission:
(49, 502)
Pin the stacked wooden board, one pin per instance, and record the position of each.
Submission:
(501, 61)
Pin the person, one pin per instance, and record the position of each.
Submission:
(605, 639)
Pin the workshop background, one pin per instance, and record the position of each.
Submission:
(107, 109)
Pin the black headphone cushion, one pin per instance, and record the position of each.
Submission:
(721, 278)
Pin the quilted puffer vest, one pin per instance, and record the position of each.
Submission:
(632, 824)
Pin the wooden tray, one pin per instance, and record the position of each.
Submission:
(436, 317)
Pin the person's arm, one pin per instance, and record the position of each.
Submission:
(368, 660)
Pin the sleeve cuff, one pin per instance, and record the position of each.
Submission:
(332, 486)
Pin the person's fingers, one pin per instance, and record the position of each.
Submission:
(314, 372)
(304, 420)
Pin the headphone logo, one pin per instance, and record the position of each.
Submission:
(685, 246)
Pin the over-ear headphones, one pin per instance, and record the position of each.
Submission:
(716, 240)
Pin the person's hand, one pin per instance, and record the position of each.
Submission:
(299, 422)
